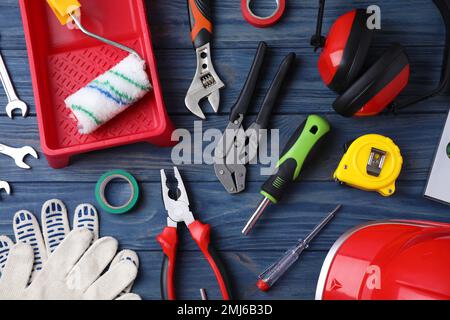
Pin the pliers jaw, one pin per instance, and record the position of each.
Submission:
(177, 210)
(229, 168)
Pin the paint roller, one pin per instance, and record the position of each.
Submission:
(112, 92)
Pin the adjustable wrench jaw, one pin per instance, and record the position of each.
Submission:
(206, 84)
(177, 210)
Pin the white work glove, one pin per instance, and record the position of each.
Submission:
(73, 272)
(55, 229)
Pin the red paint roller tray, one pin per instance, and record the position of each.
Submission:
(62, 61)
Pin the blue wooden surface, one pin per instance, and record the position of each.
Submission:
(416, 24)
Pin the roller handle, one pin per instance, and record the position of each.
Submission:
(201, 22)
(300, 149)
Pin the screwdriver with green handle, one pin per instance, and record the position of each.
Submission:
(301, 148)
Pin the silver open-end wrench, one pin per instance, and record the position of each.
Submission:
(5, 186)
(19, 154)
(14, 103)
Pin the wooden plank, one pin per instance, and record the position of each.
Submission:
(305, 93)
(243, 269)
(417, 145)
(170, 28)
(417, 133)
(282, 225)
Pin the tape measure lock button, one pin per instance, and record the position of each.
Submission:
(103, 183)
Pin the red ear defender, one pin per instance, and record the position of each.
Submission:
(367, 93)
(387, 95)
(333, 52)
(377, 87)
(345, 50)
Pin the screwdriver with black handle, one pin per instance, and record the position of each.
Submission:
(302, 146)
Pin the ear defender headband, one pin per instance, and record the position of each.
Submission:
(344, 53)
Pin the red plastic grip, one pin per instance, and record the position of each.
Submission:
(201, 234)
(201, 22)
(168, 240)
(263, 286)
(263, 22)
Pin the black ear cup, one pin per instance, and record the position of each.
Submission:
(355, 53)
(371, 83)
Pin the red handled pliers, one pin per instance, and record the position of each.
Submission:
(178, 211)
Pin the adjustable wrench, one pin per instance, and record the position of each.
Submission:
(19, 154)
(14, 103)
(206, 83)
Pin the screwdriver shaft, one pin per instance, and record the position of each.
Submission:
(204, 294)
(255, 217)
(322, 225)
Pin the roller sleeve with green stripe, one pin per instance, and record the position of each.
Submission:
(300, 148)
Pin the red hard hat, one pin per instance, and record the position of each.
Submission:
(388, 260)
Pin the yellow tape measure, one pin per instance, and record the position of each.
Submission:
(371, 163)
